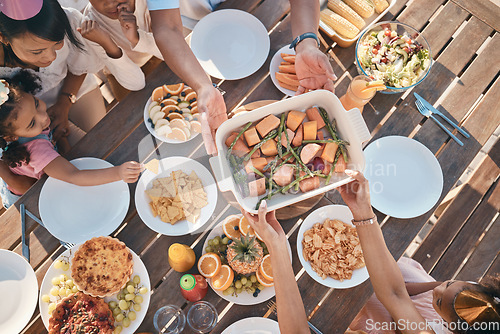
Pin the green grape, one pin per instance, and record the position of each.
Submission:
(46, 298)
(116, 311)
(123, 305)
(253, 278)
(62, 292)
(218, 238)
(63, 278)
(249, 284)
(56, 281)
(138, 299)
(136, 279)
(119, 317)
(58, 264)
(243, 280)
(252, 290)
(69, 283)
(226, 292)
(215, 242)
(239, 290)
(261, 287)
(231, 290)
(225, 241)
(210, 242)
(208, 249)
(129, 296)
(130, 289)
(65, 266)
(126, 322)
(143, 290)
(68, 292)
(118, 330)
(132, 316)
(112, 304)
(238, 284)
(54, 291)
(74, 289)
(52, 307)
(137, 307)
(120, 295)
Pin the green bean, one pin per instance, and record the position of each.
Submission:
(269, 136)
(245, 128)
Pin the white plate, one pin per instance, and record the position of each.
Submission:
(167, 166)
(153, 132)
(230, 44)
(243, 298)
(405, 177)
(274, 67)
(75, 214)
(254, 325)
(139, 269)
(340, 212)
(18, 288)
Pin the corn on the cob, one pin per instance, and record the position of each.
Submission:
(339, 24)
(339, 7)
(380, 5)
(362, 7)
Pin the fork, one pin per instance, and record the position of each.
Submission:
(427, 113)
(273, 308)
(66, 245)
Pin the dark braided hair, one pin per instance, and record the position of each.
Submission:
(14, 154)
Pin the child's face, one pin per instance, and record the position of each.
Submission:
(109, 8)
(34, 50)
(32, 117)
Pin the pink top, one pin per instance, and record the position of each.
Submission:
(374, 312)
(42, 152)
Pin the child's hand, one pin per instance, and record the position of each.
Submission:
(90, 30)
(129, 24)
(130, 171)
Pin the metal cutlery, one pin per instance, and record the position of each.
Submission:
(427, 113)
(443, 116)
(66, 245)
(25, 246)
(273, 308)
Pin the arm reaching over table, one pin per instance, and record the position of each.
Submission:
(167, 30)
(291, 314)
(312, 66)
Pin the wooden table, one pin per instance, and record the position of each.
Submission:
(464, 82)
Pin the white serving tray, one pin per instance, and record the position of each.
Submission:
(350, 125)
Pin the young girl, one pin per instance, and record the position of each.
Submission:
(27, 149)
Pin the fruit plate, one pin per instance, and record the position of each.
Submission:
(253, 325)
(340, 212)
(18, 288)
(274, 67)
(166, 166)
(243, 298)
(157, 136)
(139, 269)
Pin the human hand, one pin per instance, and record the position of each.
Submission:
(130, 171)
(92, 31)
(128, 23)
(356, 195)
(213, 113)
(267, 226)
(313, 68)
(59, 120)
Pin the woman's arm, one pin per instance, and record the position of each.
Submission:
(291, 314)
(418, 288)
(385, 275)
(20, 183)
(63, 170)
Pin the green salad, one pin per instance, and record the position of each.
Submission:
(398, 60)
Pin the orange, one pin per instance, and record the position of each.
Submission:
(209, 265)
(187, 89)
(266, 268)
(245, 228)
(168, 102)
(174, 89)
(224, 278)
(228, 226)
(262, 280)
(196, 126)
(157, 94)
(168, 109)
(174, 115)
(190, 96)
(177, 134)
(194, 110)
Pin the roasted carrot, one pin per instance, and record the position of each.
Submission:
(286, 86)
(287, 69)
(289, 79)
(290, 59)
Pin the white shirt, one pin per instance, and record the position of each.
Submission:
(145, 48)
(191, 10)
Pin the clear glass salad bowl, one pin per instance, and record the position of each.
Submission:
(401, 29)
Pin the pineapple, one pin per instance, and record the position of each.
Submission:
(245, 255)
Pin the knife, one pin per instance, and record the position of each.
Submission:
(437, 112)
(25, 246)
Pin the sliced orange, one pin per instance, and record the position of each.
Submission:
(168, 109)
(174, 89)
(174, 115)
(169, 102)
(231, 227)
(196, 126)
(266, 269)
(245, 227)
(194, 110)
(177, 134)
(190, 96)
(157, 94)
(209, 265)
(187, 89)
(224, 278)
(262, 280)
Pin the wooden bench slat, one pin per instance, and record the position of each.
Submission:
(487, 10)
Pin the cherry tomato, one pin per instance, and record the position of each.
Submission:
(384, 60)
(375, 51)
(387, 33)
(406, 49)
(409, 41)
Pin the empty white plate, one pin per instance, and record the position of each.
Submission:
(254, 325)
(19, 290)
(75, 214)
(405, 177)
(230, 44)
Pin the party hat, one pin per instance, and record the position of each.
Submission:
(20, 9)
